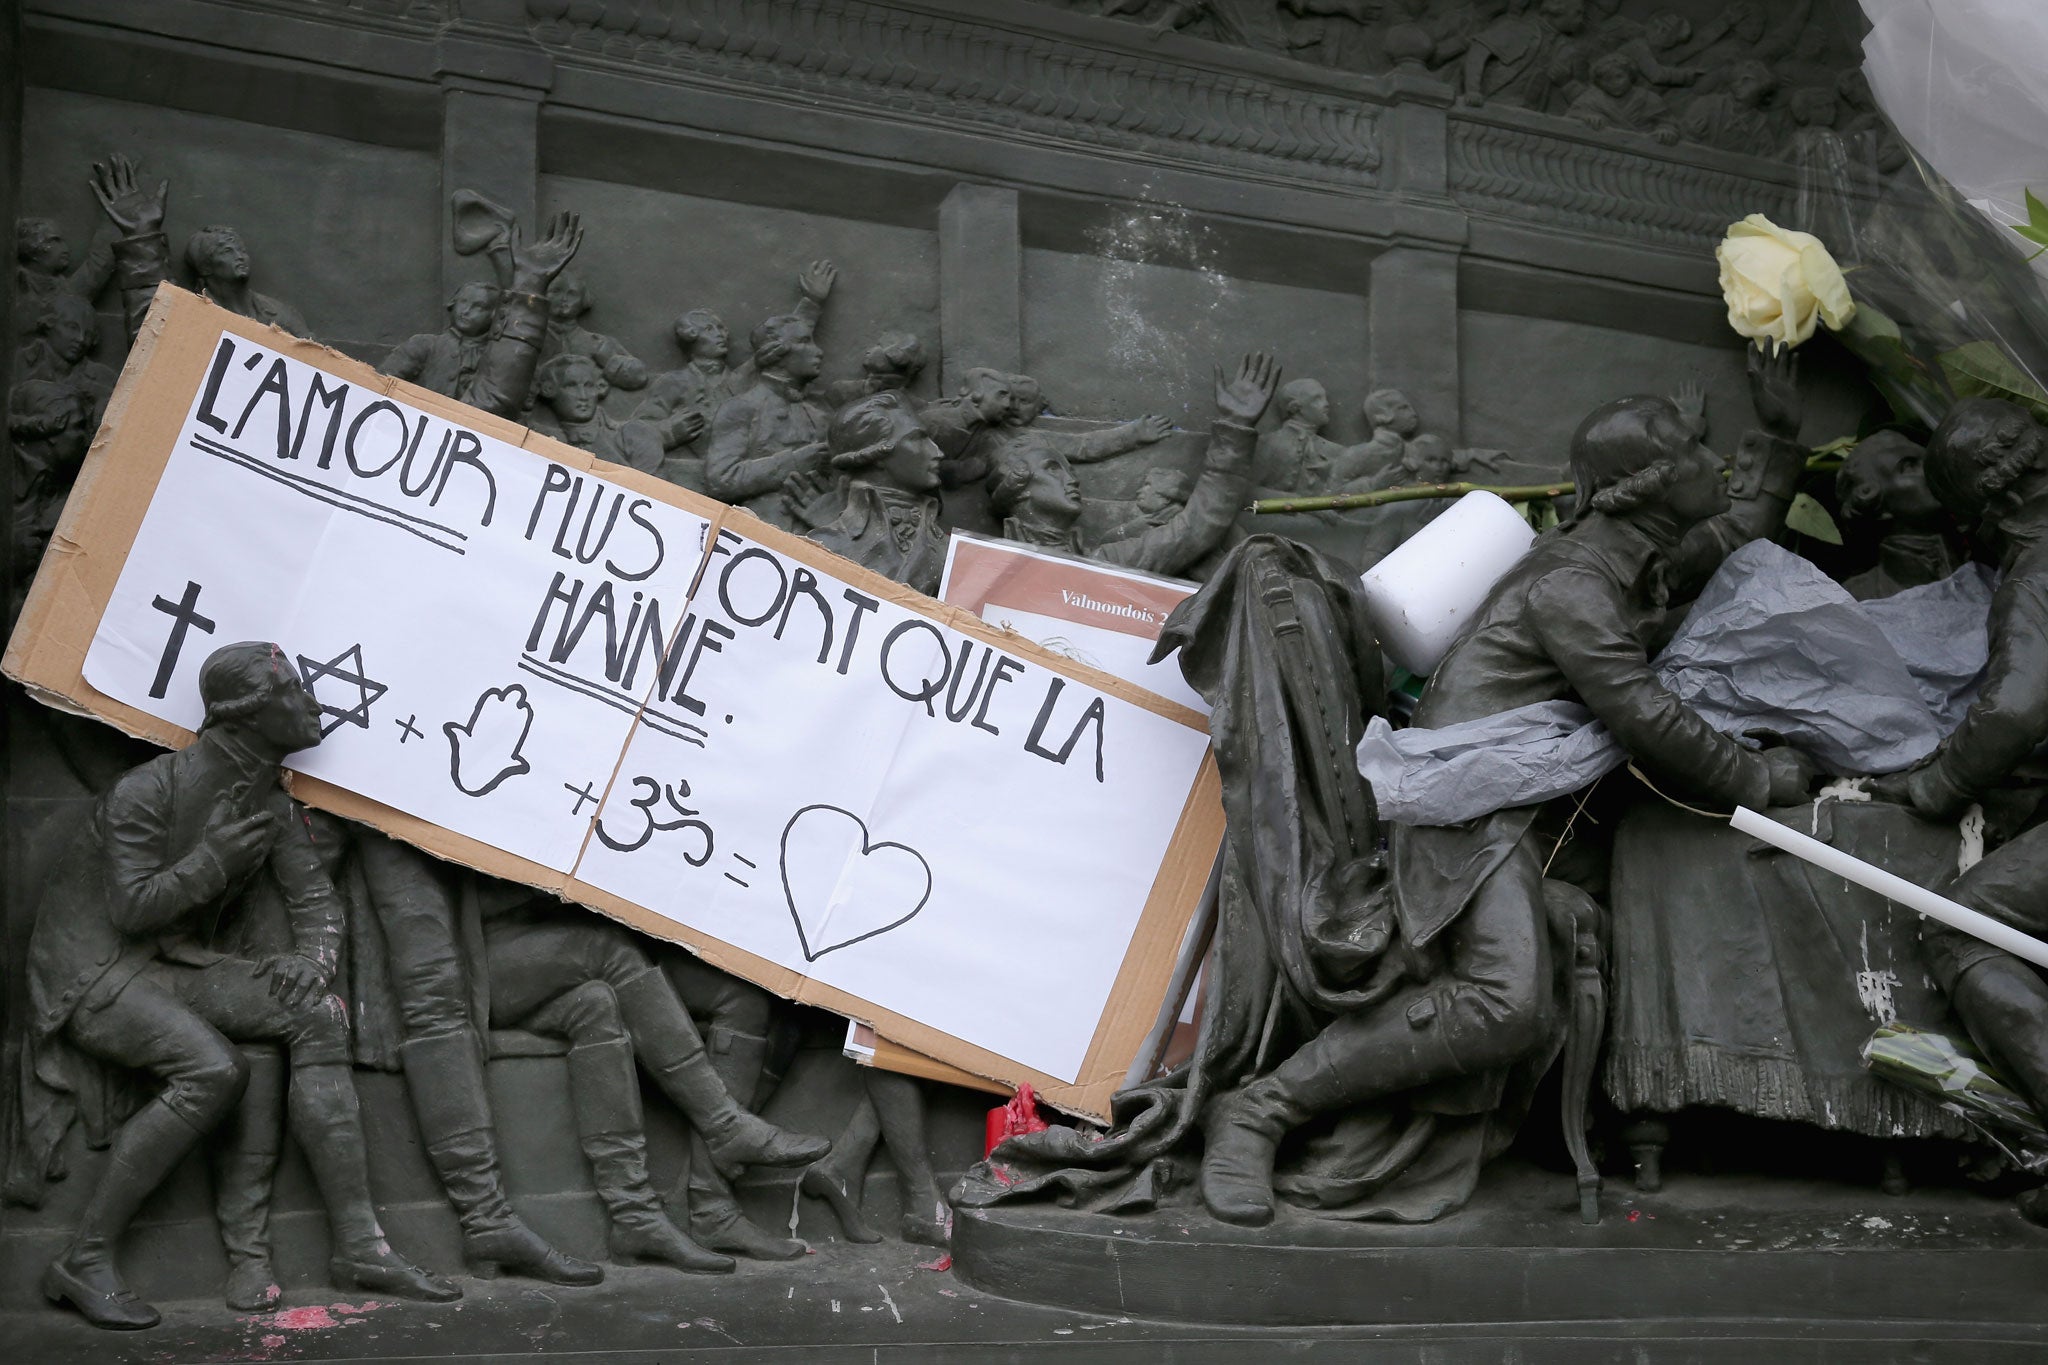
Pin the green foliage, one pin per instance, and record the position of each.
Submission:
(1915, 392)
(1809, 518)
(2035, 229)
(1982, 370)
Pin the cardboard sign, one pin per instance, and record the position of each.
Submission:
(1109, 618)
(574, 675)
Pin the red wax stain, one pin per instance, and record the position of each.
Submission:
(1014, 1119)
(1635, 1215)
(943, 1263)
(316, 1317)
(272, 1342)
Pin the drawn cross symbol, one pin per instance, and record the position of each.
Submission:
(583, 794)
(184, 615)
(346, 669)
(408, 730)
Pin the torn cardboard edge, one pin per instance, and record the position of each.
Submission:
(111, 497)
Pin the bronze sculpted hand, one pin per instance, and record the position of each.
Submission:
(687, 426)
(535, 264)
(134, 210)
(1152, 428)
(815, 283)
(241, 845)
(1774, 389)
(813, 499)
(1792, 775)
(1244, 397)
(1691, 402)
(293, 979)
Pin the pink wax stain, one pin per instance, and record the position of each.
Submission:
(942, 1263)
(317, 1317)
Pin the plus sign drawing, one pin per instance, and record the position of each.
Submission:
(341, 679)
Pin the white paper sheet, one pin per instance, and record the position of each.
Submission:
(509, 648)
(953, 851)
(404, 594)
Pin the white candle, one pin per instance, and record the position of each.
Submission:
(1891, 887)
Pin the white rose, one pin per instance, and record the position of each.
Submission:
(1780, 283)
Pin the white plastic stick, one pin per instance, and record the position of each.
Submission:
(1891, 887)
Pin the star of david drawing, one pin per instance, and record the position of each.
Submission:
(345, 672)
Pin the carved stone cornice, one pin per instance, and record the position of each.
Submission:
(970, 69)
(1510, 166)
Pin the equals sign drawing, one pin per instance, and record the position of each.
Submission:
(744, 862)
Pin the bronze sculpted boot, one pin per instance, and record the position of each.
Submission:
(1243, 1134)
(244, 1172)
(328, 1124)
(673, 1053)
(716, 1219)
(1356, 1058)
(605, 1088)
(841, 1177)
(150, 1144)
(446, 1077)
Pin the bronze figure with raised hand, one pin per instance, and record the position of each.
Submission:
(505, 373)
(681, 403)
(774, 430)
(141, 253)
(1035, 492)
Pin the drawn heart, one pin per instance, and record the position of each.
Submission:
(841, 888)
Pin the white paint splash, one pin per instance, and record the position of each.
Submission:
(1157, 234)
(1874, 988)
(1971, 829)
(1841, 789)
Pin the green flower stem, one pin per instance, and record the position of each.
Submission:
(1527, 492)
(1344, 502)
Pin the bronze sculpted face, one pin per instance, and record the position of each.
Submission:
(1986, 459)
(1053, 493)
(703, 336)
(573, 386)
(1566, 16)
(470, 311)
(804, 358)
(988, 393)
(568, 300)
(1614, 75)
(70, 327)
(1886, 475)
(39, 246)
(1700, 488)
(913, 463)
(290, 718)
(1026, 401)
(1750, 82)
(217, 253)
(1163, 489)
(1305, 401)
(1667, 30)
(1390, 410)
